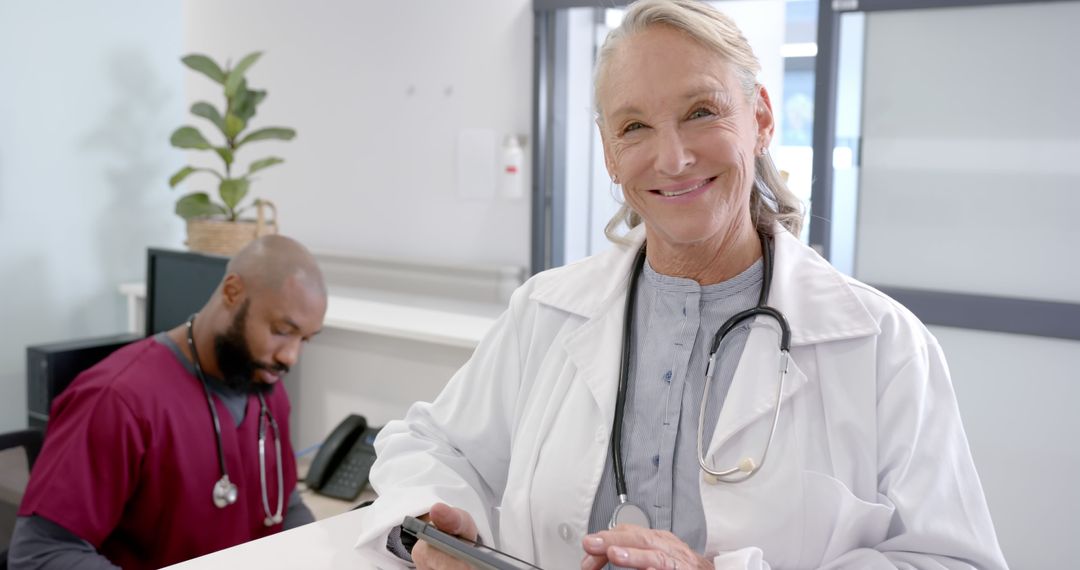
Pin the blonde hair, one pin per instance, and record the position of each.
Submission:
(770, 200)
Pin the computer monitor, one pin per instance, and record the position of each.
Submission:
(178, 284)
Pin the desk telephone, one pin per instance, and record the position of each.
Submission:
(341, 467)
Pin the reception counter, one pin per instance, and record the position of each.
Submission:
(322, 545)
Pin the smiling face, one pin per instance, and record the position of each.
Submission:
(680, 136)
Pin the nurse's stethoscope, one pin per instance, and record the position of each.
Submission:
(629, 513)
(225, 492)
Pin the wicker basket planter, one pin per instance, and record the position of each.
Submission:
(222, 237)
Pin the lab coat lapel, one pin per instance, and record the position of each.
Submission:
(595, 350)
(753, 388)
(819, 306)
(596, 291)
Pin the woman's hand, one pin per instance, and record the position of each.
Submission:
(451, 521)
(631, 546)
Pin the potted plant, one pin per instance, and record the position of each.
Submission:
(217, 226)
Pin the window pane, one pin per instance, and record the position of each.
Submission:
(970, 175)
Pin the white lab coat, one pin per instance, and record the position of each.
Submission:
(869, 467)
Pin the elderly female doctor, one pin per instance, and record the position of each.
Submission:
(710, 377)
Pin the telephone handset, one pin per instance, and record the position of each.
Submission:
(341, 467)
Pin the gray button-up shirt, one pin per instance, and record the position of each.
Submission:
(675, 320)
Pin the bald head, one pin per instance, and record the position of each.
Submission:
(269, 261)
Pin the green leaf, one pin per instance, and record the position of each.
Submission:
(189, 137)
(204, 65)
(237, 73)
(225, 154)
(238, 98)
(279, 133)
(246, 101)
(198, 205)
(233, 190)
(180, 176)
(264, 163)
(233, 125)
(208, 112)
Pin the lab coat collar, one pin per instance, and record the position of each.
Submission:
(589, 286)
(818, 301)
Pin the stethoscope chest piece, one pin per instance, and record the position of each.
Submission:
(224, 492)
(629, 513)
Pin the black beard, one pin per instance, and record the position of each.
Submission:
(235, 361)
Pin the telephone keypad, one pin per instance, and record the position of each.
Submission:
(351, 477)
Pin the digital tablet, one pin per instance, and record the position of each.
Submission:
(475, 554)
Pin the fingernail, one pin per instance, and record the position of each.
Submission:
(595, 541)
(620, 553)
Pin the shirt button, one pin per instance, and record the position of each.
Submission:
(600, 435)
(667, 377)
(656, 460)
(565, 532)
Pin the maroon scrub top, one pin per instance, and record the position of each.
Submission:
(130, 462)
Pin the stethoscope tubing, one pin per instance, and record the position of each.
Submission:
(624, 373)
(746, 468)
(276, 517)
(264, 412)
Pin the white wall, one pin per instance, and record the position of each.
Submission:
(378, 92)
(378, 377)
(1017, 395)
(90, 92)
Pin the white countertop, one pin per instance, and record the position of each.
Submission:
(402, 321)
(423, 319)
(323, 545)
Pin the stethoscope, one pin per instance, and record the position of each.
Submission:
(225, 492)
(629, 513)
